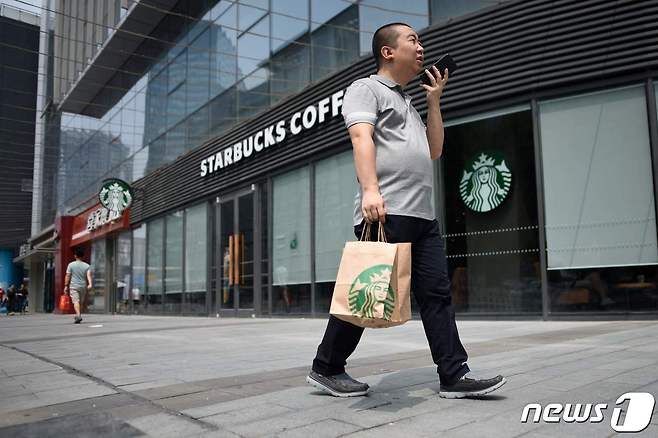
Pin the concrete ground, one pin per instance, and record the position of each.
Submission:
(124, 376)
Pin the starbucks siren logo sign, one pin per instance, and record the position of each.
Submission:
(485, 183)
(371, 294)
(115, 195)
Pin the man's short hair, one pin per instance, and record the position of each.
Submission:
(79, 252)
(386, 35)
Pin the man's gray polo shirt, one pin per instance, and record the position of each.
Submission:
(403, 163)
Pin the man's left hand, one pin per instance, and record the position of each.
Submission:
(437, 83)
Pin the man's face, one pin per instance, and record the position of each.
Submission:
(409, 53)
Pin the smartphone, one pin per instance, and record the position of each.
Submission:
(444, 62)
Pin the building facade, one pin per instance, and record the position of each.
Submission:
(19, 44)
(225, 117)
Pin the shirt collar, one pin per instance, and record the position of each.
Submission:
(391, 84)
(386, 81)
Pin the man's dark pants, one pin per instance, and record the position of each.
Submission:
(431, 288)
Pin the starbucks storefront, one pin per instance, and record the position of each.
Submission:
(545, 195)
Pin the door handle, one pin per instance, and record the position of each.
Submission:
(230, 260)
(236, 273)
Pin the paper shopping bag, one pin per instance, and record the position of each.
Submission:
(373, 283)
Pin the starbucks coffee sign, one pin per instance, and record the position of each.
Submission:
(485, 183)
(272, 135)
(115, 196)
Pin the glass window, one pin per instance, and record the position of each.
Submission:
(335, 188)
(123, 294)
(492, 240)
(323, 11)
(223, 111)
(176, 142)
(250, 11)
(177, 71)
(174, 262)
(156, 106)
(600, 215)
(376, 13)
(224, 52)
(253, 94)
(94, 299)
(289, 22)
(156, 154)
(254, 48)
(291, 258)
(154, 275)
(139, 267)
(198, 89)
(599, 196)
(442, 10)
(196, 236)
(335, 45)
(198, 126)
(176, 106)
(290, 69)
(140, 162)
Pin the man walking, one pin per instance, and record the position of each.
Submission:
(393, 153)
(77, 281)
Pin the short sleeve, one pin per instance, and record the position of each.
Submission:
(68, 269)
(359, 105)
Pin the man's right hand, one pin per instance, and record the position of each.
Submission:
(67, 291)
(372, 206)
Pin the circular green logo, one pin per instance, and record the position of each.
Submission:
(371, 294)
(485, 183)
(115, 195)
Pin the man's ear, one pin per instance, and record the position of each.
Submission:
(387, 52)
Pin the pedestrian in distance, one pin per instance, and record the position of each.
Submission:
(393, 153)
(77, 282)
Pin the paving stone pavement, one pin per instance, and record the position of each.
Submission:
(131, 376)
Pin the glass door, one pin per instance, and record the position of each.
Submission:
(236, 255)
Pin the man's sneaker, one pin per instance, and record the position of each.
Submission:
(77, 320)
(340, 385)
(467, 387)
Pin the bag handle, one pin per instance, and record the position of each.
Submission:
(381, 233)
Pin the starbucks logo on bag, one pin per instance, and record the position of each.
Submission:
(115, 195)
(371, 294)
(487, 185)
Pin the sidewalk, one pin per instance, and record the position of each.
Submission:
(129, 376)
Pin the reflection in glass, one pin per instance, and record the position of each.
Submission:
(223, 112)
(123, 280)
(253, 94)
(335, 187)
(223, 56)
(155, 230)
(375, 13)
(198, 88)
(196, 258)
(291, 258)
(290, 69)
(174, 262)
(139, 268)
(254, 47)
(250, 11)
(335, 45)
(94, 299)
